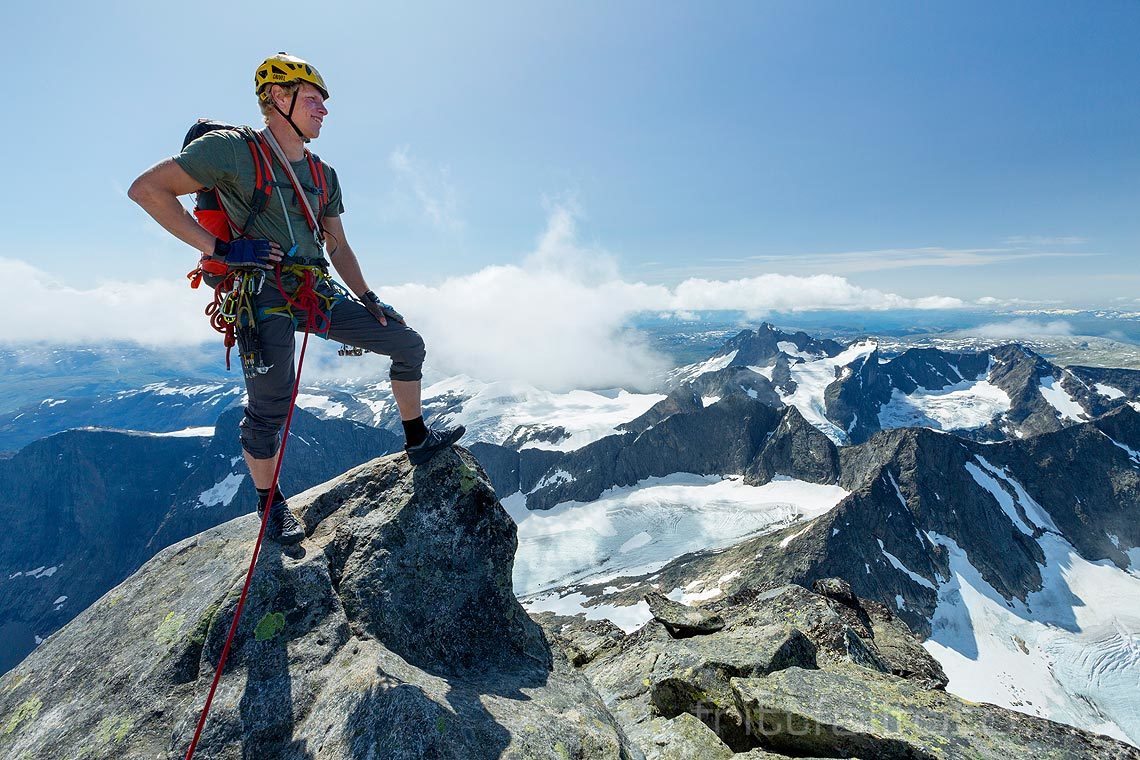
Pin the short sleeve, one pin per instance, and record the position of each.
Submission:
(336, 197)
(211, 159)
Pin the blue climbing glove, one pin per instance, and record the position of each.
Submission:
(243, 253)
(381, 310)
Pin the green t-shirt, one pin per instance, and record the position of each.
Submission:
(221, 160)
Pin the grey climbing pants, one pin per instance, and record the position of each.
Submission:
(271, 392)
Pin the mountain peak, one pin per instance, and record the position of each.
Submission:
(397, 610)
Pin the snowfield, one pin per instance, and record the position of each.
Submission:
(643, 527)
(1070, 652)
(1067, 407)
(492, 411)
(329, 408)
(693, 371)
(964, 405)
(813, 377)
(222, 493)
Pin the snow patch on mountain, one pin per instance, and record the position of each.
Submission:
(43, 571)
(1060, 400)
(554, 478)
(323, 404)
(628, 618)
(962, 406)
(897, 564)
(1070, 652)
(765, 372)
(679, 513)
(813, 377)
(222, 493)
(1133, 454)
(1108, 391)
(693, 371)
(206, 431)
(792, 350)
(992, 479)
(168, 389)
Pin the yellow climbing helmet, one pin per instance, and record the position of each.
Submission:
(283, 69)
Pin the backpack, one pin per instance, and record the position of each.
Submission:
(208, 209)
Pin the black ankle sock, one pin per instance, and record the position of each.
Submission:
(415, 431)
(263, 494)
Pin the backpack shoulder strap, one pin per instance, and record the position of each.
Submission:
(262, 186)
(321, 180)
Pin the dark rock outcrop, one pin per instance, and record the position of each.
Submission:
(391, 631)
(680, 620)
(760, 346)
(722, 438)
(680, 401)
(795, 449)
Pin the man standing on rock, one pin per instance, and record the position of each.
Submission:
(284, 244)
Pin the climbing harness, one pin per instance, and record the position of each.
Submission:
(325, 294)
(305, 298)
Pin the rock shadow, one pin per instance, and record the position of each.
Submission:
(266, 707)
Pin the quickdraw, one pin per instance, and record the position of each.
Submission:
(233, 314)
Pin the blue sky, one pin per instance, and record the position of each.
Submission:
(961, 149)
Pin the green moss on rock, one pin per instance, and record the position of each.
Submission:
(167, 631)
(269, 626)
(28, 710)
(113, 730)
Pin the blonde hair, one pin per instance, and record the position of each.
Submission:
(266, 106)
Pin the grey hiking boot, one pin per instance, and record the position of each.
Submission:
(437, 440)
(282, 526)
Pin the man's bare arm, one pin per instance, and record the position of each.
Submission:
(343, 258)
(157, 190)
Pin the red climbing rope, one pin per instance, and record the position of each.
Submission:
(305, 298)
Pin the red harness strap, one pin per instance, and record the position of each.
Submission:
(319, 180)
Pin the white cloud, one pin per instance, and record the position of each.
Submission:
(557, 319)
(157, 312)
(1021, 328)
(757, 296)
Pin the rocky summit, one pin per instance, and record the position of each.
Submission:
(392, 631)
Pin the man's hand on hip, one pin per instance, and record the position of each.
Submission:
(248, 253)
(382, 311)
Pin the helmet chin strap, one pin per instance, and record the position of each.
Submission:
(289, 116)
